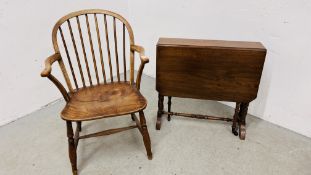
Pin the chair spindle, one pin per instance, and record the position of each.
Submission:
(68, 57)
(84, 52)
(124, 58)
(92, 47)
(116, 47)
(76, 52)
(100, 49)
(108, 48)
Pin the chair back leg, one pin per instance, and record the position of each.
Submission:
(145, 134)
(132, 116)
(79, 125)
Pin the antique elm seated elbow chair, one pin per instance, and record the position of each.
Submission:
(98, 97)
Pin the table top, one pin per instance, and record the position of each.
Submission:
(210, 43)
(209, 69)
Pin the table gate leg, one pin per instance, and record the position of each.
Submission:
(169, 103)
(242, 116)
(160, 111)
(235, 119)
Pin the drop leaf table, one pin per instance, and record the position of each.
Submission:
(212, 70)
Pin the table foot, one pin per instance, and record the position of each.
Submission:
(241, 120)
(235, 132)
(242, 132)
(169, 103)
(235, 119)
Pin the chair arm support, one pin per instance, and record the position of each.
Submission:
(143, 60)
(59, 86)
(47, 73)
(48, 64)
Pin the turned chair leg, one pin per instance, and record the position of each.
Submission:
(160, 111)
(79, 125)
(72, 148)
(145, 134)
(169, 103)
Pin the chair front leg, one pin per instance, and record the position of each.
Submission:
(71, 148)
(145, 134)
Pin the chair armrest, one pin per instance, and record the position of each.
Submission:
(141, 52)
(47, 73)
(143, 60)
(48, 64)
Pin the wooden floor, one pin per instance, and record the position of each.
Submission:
(37, 144)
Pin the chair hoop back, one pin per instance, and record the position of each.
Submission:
(97, 54)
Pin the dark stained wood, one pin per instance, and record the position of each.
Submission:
(198, 116)
(235, 119)
(160, 111)
(195, 43)
(212, 70)
(169, 104)
(241, 119)
(103, 99)
(215, 72)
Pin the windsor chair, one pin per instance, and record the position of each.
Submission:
(93, 95)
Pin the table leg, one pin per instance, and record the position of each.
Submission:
(235, 119)
(160, 111)
(169, 103)
(242, 116)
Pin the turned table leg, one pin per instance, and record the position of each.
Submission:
(169, 103)
(160, 111)
(235, 119)
(242, 116)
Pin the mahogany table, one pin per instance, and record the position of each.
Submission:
(211, 70)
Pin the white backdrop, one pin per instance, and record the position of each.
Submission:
(283, 26)
(26, 40)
